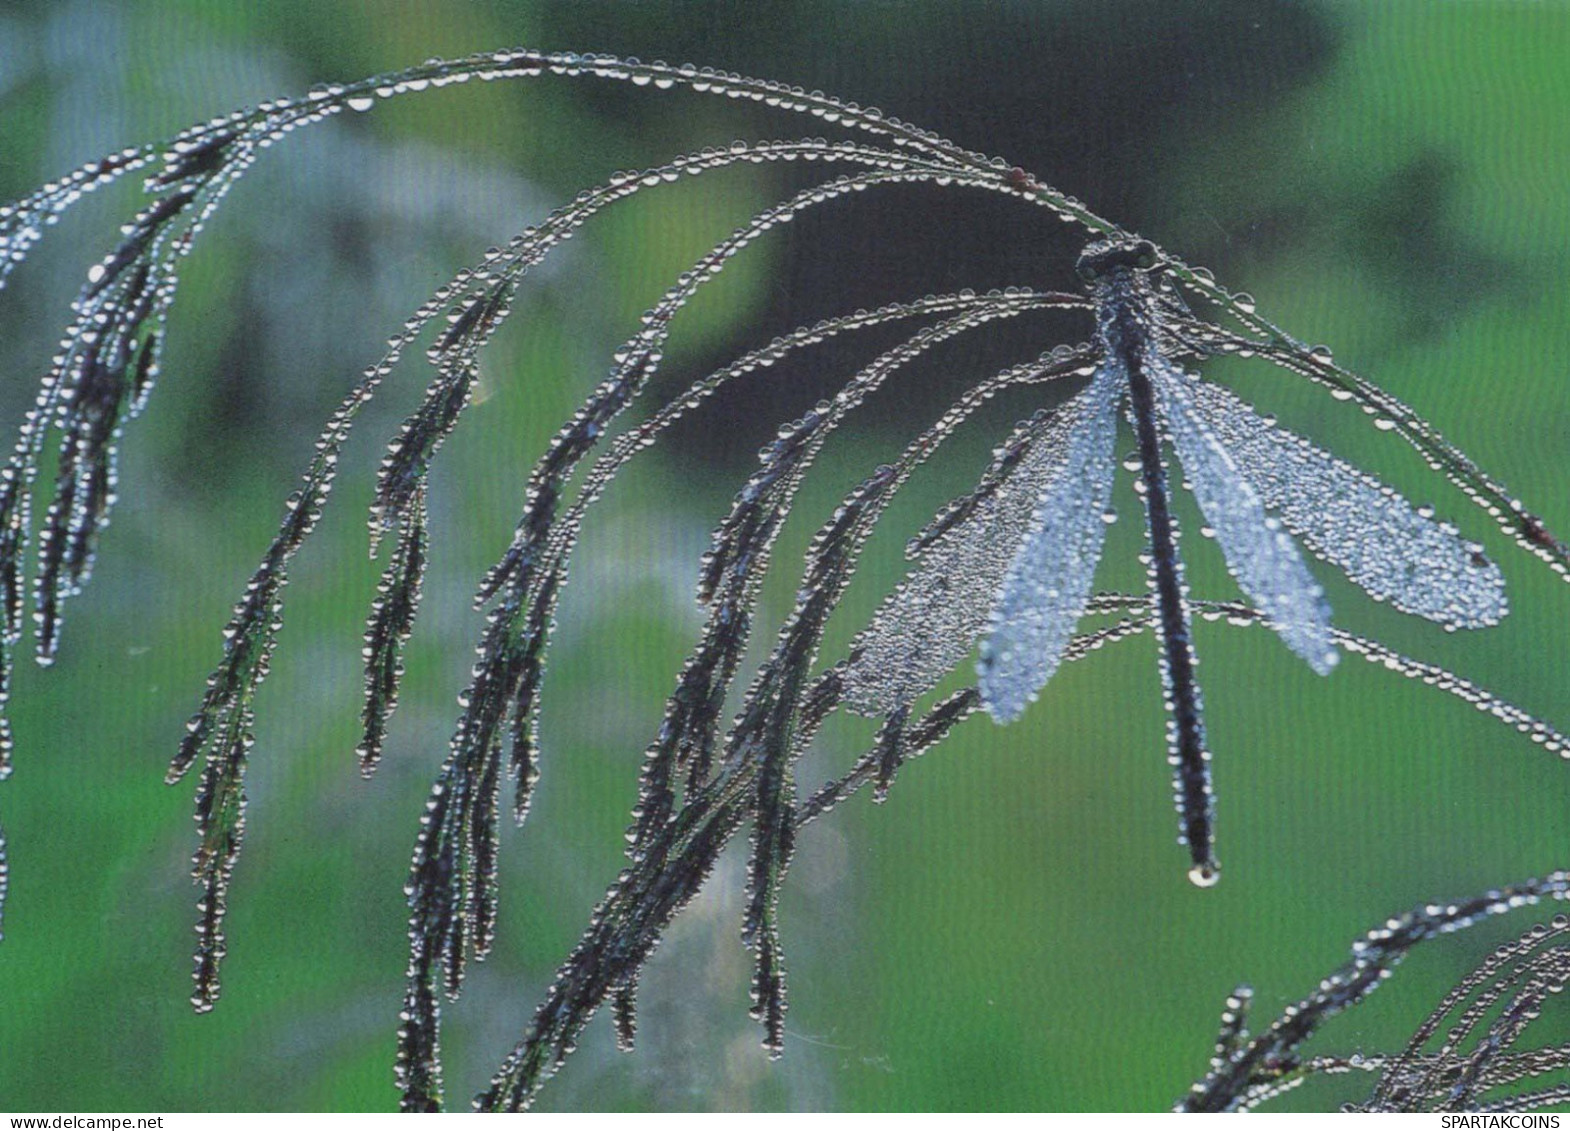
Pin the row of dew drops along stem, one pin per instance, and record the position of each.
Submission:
(565, 62)
(507, 64)
(415, 84)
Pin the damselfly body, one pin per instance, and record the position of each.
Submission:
(1008, 568)
(1240, 468)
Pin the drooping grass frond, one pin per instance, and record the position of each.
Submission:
(391, 622)
(680, 855)
(1007, 569)
(671, 856)
(1483, 1017)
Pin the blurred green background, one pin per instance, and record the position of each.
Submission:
(1013, 930)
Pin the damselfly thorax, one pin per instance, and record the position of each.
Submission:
(1023, 558)
(1006, 570)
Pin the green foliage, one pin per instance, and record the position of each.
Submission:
(1011, 925)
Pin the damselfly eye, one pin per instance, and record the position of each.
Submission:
(1087, 272)
(1145, 255)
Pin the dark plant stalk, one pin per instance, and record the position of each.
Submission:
(1246, 1070)
(704, 779)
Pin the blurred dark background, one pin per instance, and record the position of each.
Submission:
(1013, 929)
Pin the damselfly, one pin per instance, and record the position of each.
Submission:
(1015, 562)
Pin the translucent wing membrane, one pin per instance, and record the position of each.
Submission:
(1527, 529)
(1258, 552)
(1352, 520)
(1138, 610)
(777, 719)
(1009, 565)
(929, 625)
(1048, 580)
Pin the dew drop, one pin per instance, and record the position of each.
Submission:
(1204, 875)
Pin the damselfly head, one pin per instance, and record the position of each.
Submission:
(1104, 257)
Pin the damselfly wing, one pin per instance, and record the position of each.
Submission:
(1263, 492)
